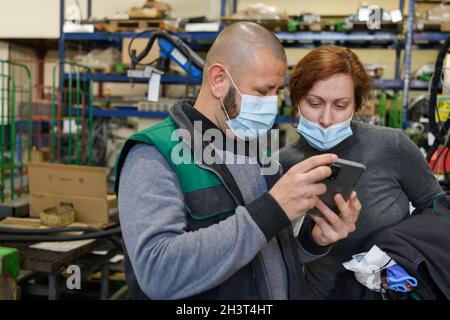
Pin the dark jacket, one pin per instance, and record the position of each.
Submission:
(397, 175)
(421, 245)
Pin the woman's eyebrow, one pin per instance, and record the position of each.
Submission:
(314, 96)
(320, 98)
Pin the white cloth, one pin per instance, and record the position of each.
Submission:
(367, 267)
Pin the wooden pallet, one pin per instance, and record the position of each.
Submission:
(130, 25)
(275, 25)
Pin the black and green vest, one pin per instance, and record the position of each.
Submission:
(210, 196)
(206, 199)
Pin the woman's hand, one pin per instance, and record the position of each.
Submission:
(332, 227)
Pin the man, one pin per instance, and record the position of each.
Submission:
(223, 231)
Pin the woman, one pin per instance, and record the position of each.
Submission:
(327, 87)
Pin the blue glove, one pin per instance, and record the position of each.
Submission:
(399, 280)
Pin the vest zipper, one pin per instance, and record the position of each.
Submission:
(258, 263)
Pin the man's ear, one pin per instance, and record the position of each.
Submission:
(218, 81)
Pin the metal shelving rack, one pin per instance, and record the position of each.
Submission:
(296, 39)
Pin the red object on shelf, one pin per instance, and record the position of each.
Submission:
(438, 158)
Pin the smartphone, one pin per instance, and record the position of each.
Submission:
(343, 179)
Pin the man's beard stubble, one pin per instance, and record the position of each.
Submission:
(229, 102)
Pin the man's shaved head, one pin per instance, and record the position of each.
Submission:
(238, 44)
(245, 59)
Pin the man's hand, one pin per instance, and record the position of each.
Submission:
(332, 227)
(297, 191)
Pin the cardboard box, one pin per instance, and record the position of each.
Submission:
(8, 289)
(85, 188)
(369, 109)
(139, 45)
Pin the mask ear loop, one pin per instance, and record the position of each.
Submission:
(234, 84)
(221, 101)
(298, 116)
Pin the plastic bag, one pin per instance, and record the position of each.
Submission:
(100, 59)
(261, 11)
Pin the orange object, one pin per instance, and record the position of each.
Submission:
(438, 158)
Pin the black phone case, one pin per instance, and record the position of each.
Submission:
(344, 183)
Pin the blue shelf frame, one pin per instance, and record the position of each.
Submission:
(210, 36)
(123, 78)
(430, 36)
(384, 84)
(298, 39)
(129, 112)
(106, 36)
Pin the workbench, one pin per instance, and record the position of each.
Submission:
(53, 265)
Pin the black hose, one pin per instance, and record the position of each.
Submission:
(178, 43)
(438, 132)
(92, 235)
(6, 230)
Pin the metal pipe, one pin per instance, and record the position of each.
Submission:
(400, 120)
(29, 142)
(382, 109)
(77, 121)
(12, 65)
(53, 121)
(408, 49)
(28, 92)
(69, 107)
(12, 133)
(89, 9)
(70, 98)
(401, 5)
(61, 43)
(223, 11)
(91, 120)
(223, 7)
(3, 135)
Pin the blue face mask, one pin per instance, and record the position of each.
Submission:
(322, 138)
(256, 116)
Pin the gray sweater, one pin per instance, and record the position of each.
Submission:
(170, 263)
(397, 174)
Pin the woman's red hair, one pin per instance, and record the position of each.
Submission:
(324, 62)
